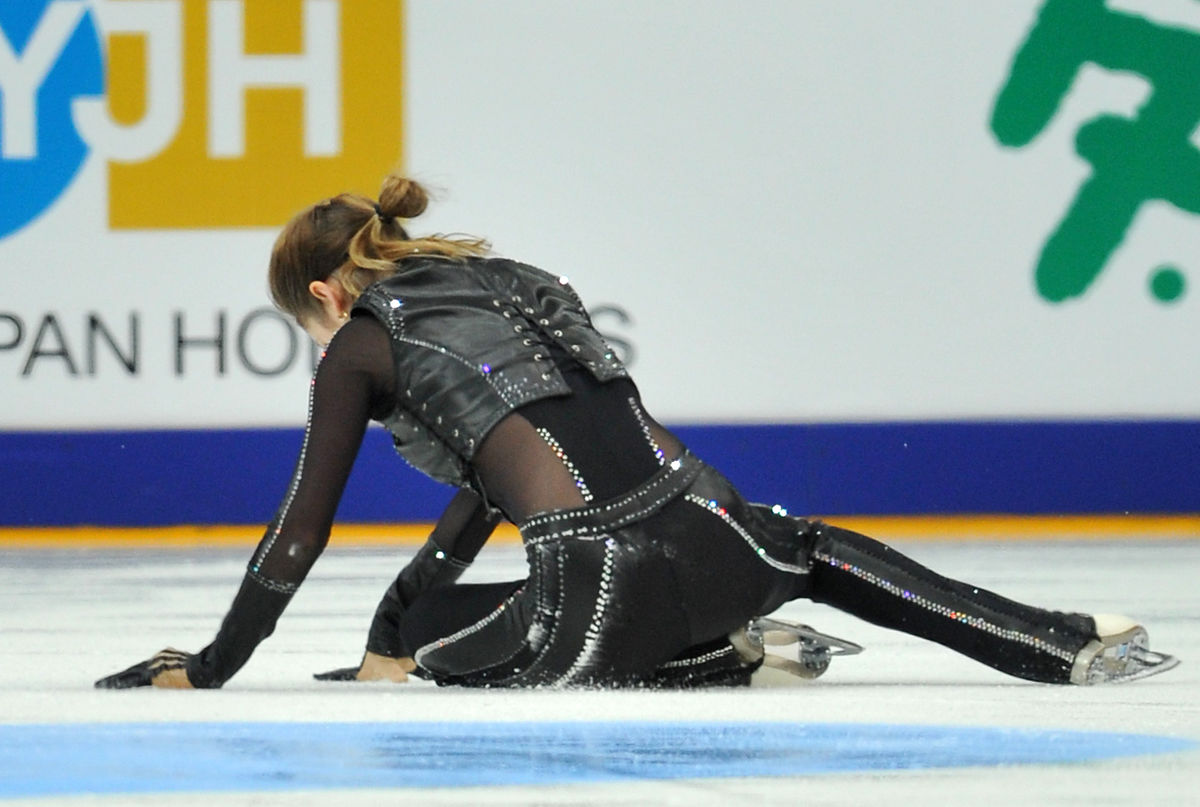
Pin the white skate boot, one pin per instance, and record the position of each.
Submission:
(815, 652)
(1122, 653)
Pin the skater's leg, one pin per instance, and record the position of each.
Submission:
(876, 583)
(460, 533)
(597, 611)
(445, 611)
(717, 663)
(438, 612)
(429, 569)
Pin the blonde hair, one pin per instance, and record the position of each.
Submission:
(358, 240)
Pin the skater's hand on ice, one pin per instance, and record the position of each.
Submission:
(166, 669)
(374, 667)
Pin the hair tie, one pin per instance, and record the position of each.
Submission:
(379, 211)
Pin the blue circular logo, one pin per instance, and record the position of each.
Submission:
(42, 152)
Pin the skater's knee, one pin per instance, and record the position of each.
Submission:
(790, 540)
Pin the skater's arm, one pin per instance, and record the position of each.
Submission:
(464, 526)
(459, 534)
(346, 389)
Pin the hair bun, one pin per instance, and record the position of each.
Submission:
(402, 197)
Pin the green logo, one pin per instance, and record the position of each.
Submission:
(1134, 160)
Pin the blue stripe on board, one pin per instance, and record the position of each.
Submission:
(98, 758)
(131, 478)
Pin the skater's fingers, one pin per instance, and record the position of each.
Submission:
(169, 659)
(340, 674)
(138, 675)
(167, 669)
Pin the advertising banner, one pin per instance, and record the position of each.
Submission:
(784, 213)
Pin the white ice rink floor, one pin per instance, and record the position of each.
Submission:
(905, 721)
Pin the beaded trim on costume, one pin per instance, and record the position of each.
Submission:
(557, 448)
(278, 586)
(704, 658)
(714, 507)
(614, 513)
(591, 637)
(641, 419)
(257, 560)
(979, 623)
(470, 629)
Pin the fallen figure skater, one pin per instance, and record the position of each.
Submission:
(646, 567)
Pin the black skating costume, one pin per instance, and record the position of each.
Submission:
(642, 558)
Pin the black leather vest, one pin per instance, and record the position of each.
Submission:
(471, 344)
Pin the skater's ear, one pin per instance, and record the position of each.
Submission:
(331, 296)
(334, 310)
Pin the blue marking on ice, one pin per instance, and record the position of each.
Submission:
(37, 760)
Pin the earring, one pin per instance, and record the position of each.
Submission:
(344, 315)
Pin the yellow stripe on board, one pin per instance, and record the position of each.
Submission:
(937, 528)
(1017, 528)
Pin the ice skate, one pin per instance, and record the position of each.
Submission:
(815, 652)
(1121, 653)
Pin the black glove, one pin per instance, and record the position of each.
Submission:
(166, 669)
(340, 674)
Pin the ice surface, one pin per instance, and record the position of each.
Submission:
(73, 615)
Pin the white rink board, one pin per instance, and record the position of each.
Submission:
(801, 202)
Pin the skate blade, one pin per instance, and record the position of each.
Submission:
(777, 633)
(1119, 658)
(1134, 664)
(816, 651)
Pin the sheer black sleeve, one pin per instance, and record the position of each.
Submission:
(354, 382)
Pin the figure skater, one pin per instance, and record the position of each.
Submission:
(646, 566)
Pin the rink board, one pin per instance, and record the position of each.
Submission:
(956, 528)
(238, 476)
